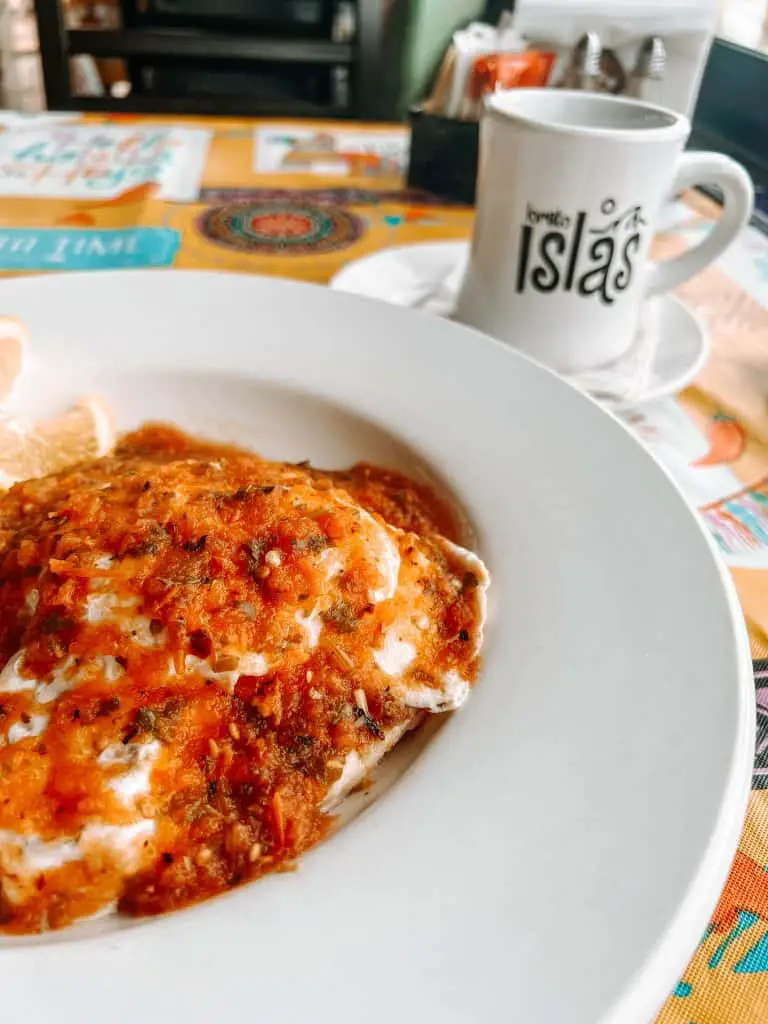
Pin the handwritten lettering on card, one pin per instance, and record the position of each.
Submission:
(94, 161)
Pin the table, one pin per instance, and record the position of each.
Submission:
(309, 197)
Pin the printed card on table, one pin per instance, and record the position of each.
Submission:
(87, 249)
(289, 150)
(101, 161)
(22, 119)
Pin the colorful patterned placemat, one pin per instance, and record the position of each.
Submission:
(302, 211)
(314, 208)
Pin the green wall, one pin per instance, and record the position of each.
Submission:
(431, 24)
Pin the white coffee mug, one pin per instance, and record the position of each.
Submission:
(570, 187)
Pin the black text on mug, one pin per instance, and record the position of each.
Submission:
(564, 252)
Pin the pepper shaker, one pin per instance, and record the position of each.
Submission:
(613, 78)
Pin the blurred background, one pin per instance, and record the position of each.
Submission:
(362, 58)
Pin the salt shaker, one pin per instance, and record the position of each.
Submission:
(649, 67)
(583, 71)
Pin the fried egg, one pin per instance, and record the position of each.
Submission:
(203, 653)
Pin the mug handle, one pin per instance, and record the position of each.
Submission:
(738, 196)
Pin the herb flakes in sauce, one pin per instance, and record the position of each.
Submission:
(342, 616)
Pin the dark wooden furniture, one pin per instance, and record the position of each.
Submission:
(220, 51)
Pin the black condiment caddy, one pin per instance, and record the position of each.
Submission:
(443, 156)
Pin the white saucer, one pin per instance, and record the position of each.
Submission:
(427, 275)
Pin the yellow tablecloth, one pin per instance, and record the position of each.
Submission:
(307, 222)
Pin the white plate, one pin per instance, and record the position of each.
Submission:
(554, 852)
(427, 275)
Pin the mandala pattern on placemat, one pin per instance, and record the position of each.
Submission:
(280, 228)
(326, 197)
